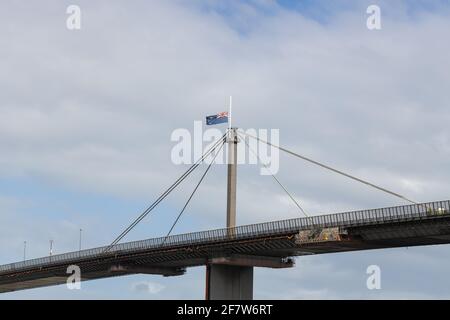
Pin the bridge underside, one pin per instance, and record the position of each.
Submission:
(265, 251)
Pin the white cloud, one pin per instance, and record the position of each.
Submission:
(148, 287)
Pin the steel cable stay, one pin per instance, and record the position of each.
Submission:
(193, 192)
(275, 178)
(332, 169)
(167, 192)
(212, 148)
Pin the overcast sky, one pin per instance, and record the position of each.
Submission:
(86, 118)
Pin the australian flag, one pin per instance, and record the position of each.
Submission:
(221, 117)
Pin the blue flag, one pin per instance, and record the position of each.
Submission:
(221, 117)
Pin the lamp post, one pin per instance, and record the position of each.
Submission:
(51, 247)
(81, 230)
(24, 250)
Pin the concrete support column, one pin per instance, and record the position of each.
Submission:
(225, 282)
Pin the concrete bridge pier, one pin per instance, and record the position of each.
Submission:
(231, 277)
(229, 282)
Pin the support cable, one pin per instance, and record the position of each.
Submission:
(332, 169)
(166, 193)
(275, 178)
(193, 192)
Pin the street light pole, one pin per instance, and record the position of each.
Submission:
(24, 250)
(80, 239)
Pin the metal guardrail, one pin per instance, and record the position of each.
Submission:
(345, 219)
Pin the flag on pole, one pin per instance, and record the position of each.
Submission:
(221, 117)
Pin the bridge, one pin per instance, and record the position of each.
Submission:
(271, 244)
(230, 254)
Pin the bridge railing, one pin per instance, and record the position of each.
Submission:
(345, 219)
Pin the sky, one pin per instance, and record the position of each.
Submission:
(87, 116)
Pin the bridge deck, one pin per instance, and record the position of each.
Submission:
(410, 225)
